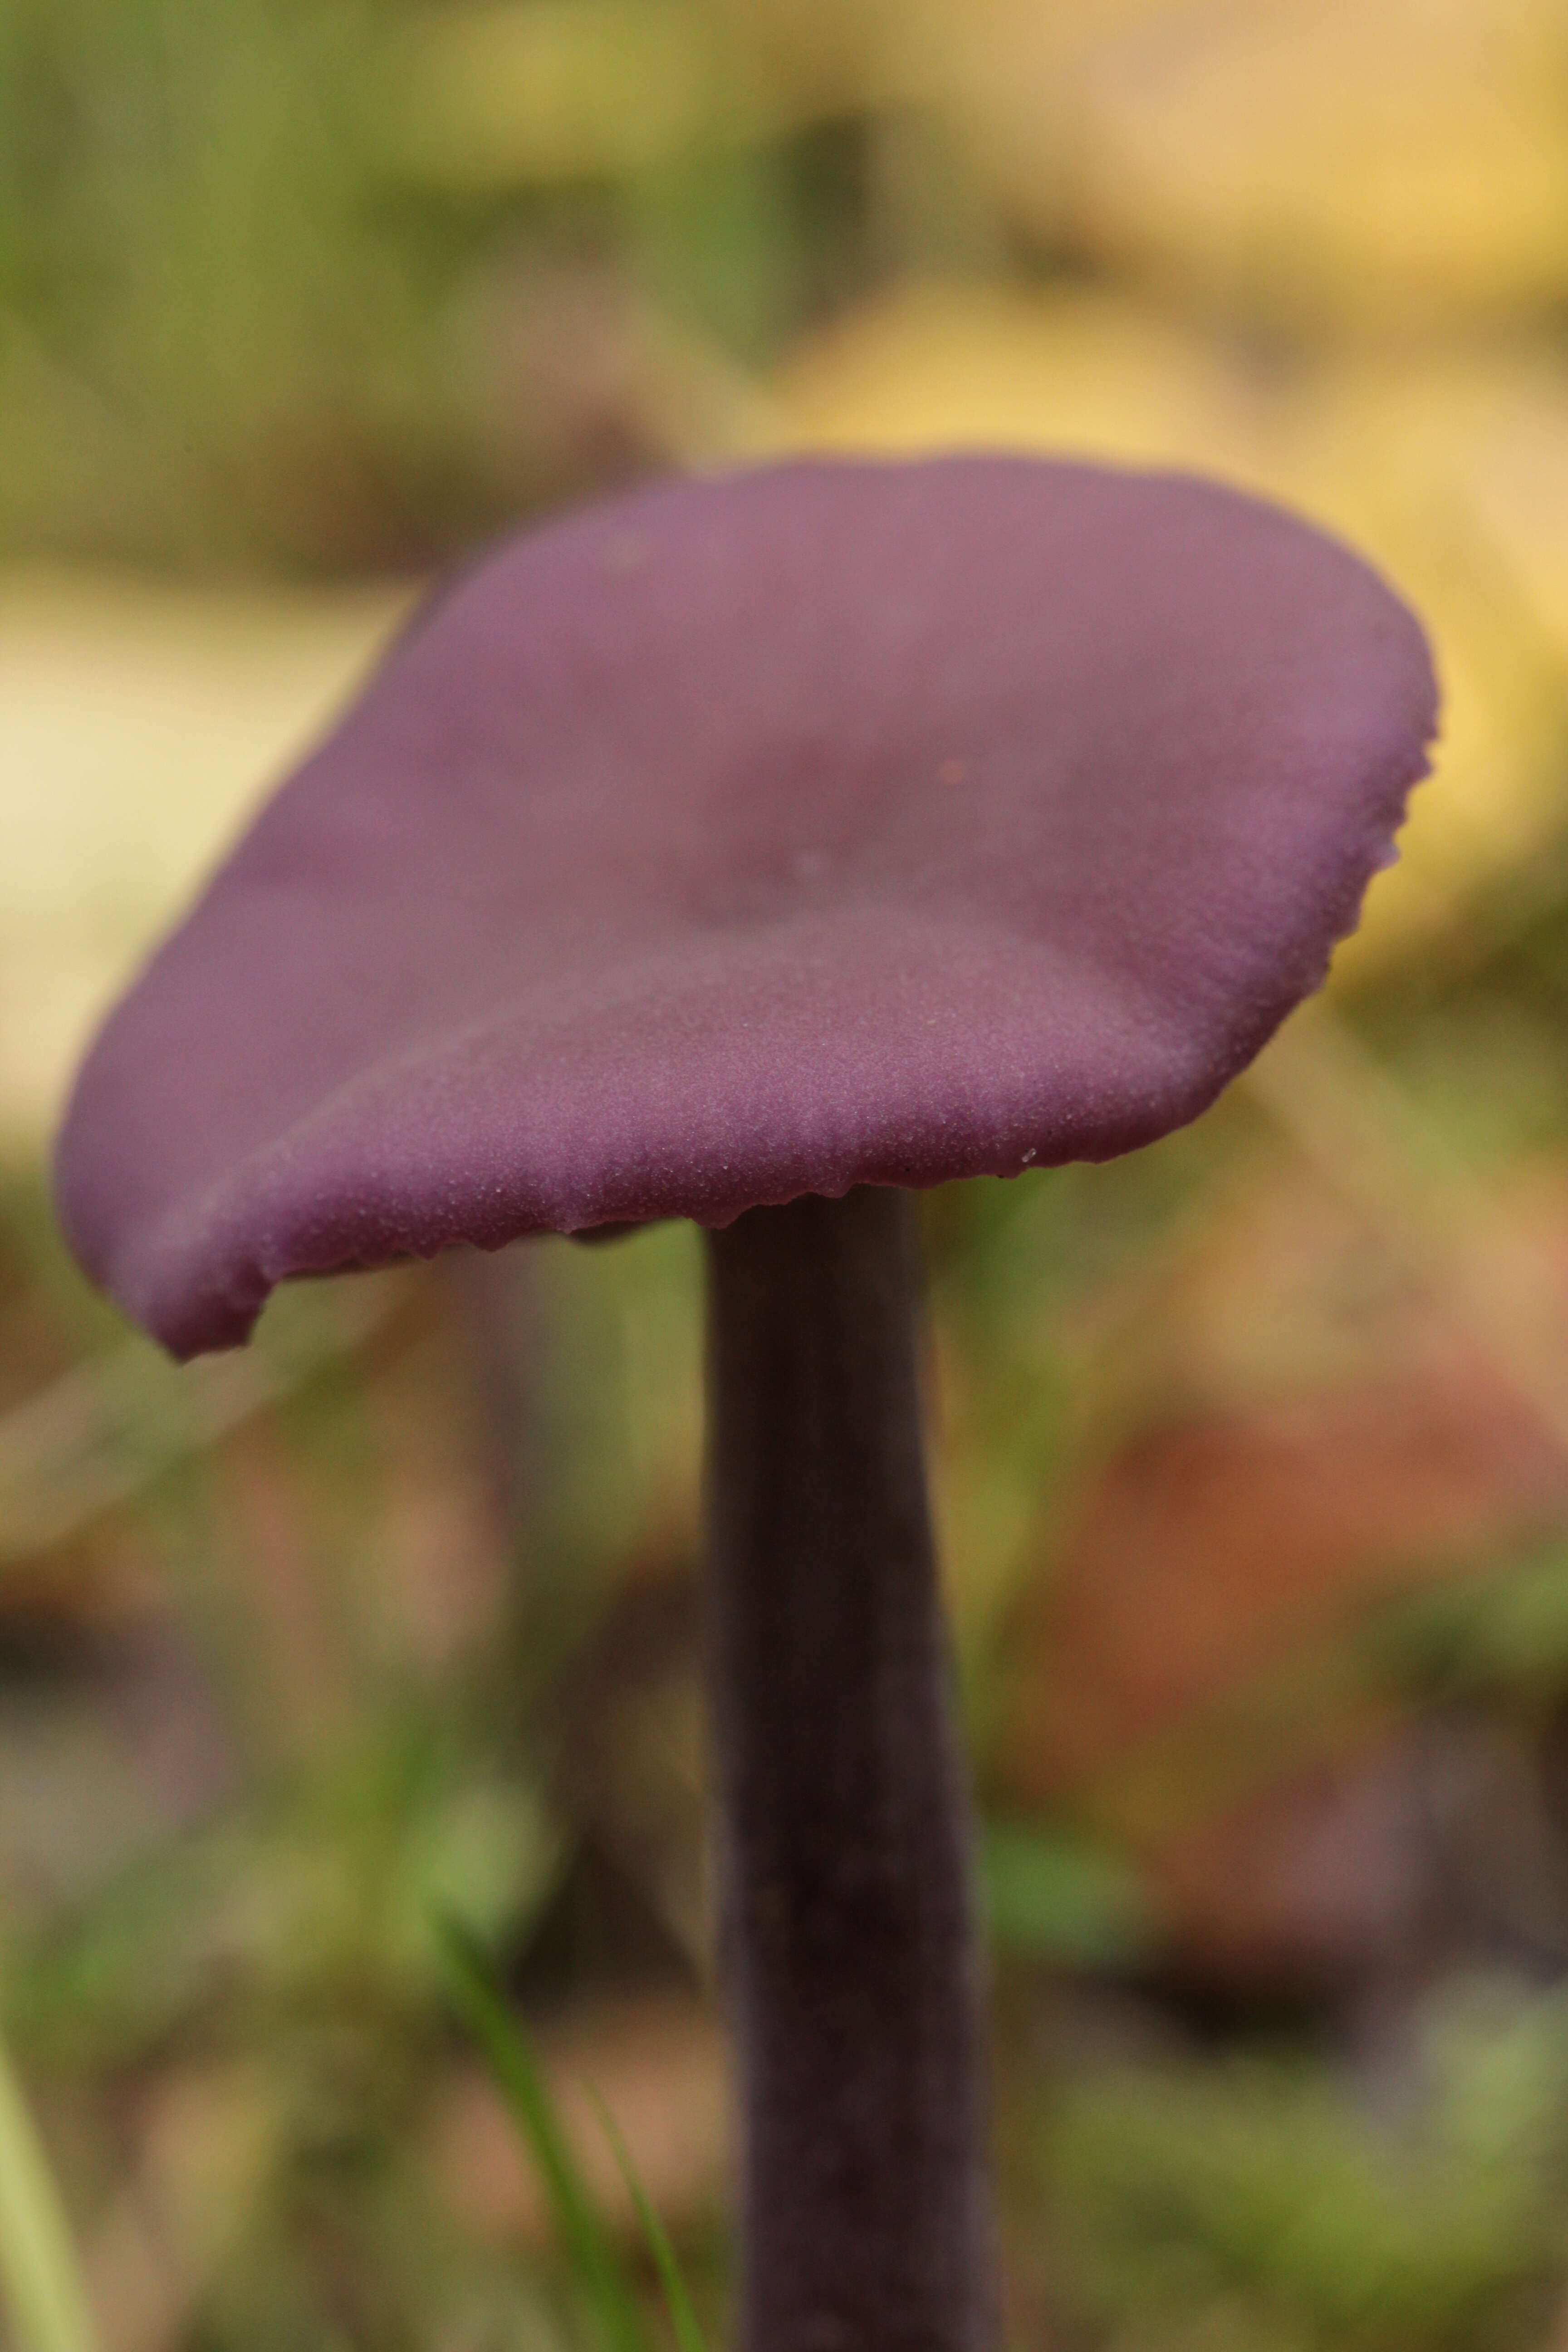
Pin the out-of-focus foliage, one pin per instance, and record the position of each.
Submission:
(206, 329)
(1060, 1899)
(1269, 2201)
(1250, 1453)
(228, 331)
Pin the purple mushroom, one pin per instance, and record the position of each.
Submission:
(751, 850)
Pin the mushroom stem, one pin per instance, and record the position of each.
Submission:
(849, 1945)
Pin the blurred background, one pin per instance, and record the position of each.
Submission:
(1251, 1453)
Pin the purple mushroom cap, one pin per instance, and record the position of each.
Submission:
(830, 825)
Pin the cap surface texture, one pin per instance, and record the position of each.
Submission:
(835, 824)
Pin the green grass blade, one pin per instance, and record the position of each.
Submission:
(42, 2285)
(605, 2287)
(678, 2302)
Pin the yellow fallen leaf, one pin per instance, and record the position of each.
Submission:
(1393, 453)
(139, 724)
(1397, 453)
(992, 367)
(1381, 163)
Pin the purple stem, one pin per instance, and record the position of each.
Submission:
(848, 1947)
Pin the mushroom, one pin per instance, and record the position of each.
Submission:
(752, 850)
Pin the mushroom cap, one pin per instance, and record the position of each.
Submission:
(830, 825)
